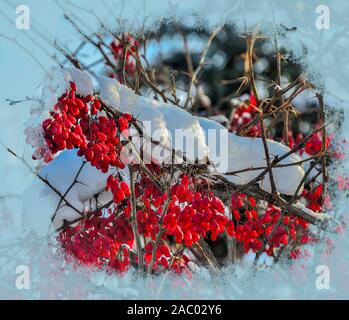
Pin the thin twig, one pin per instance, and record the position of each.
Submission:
(324, 140)
(134, 222)
(250, 43)
(201, 64)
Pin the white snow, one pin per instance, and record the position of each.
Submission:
(59, 82)
(82, 79)
(320, 216)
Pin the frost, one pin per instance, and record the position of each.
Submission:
(34, 136)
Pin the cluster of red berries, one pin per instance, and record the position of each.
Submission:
(107, 241)
(63, 130)
(190, 215)
(314, 198)
(312, 147)
(104, 141)
(123, 51)
(313, 193)
(243, 115)
(75, 123)
(105, 238)
(163, 258)
(120, 190)
(253, 227)
(100, 241)
(314, 144)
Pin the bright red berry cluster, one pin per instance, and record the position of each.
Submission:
(253, 227)
(104, 141)
(123, 51)
(63, 130)
(243, 115)
(105, 238)
(100, 241)
(75, 124)
(314, 145)
(120, 190)
(190, 215)
(163, 258)
(314, 198)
